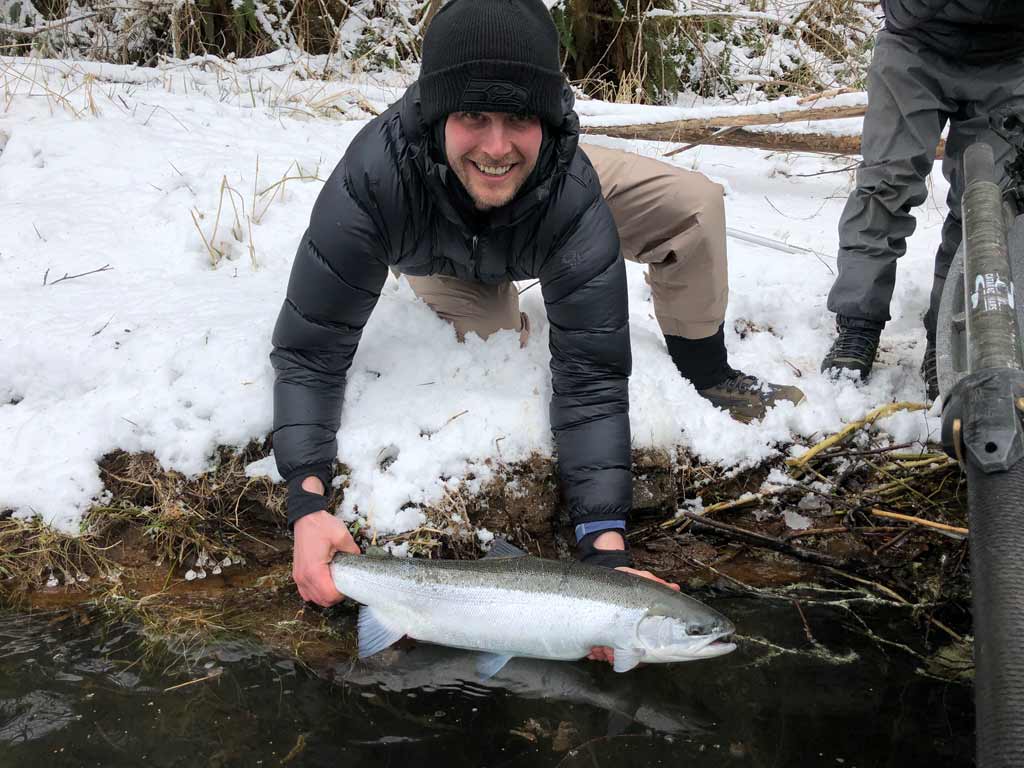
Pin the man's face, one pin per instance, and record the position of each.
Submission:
(492, 153)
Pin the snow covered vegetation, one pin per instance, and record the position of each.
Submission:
(148, 221)
(620, 50)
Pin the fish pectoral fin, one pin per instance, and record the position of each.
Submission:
(501, 548)
(626, 659)
(490, 664)
(375, 632)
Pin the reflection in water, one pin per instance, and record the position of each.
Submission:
(431, 668)
(839, 689)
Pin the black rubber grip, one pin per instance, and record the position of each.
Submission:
(996, 503)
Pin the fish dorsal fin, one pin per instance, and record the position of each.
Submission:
(626, 659)
(375, 551)
(490, 664)
(375, 632)
(501, 548)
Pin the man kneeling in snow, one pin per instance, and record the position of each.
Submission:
(472, 180)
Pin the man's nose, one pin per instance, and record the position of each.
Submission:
(497, 142)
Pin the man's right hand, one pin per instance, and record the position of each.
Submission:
(317, 538)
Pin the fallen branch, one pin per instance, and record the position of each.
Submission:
(886, 449)
(899, 599)
(760, 540)
(719, 134)
(807, 627)
(841, 529)
(647, 130)
(721, 506)
(829, 94)
(879, 413)
(767, 242)
(770, 141)
(104, 268)
(919, 521)
(730, 130)
(899, 484)
(214, 674)
(897, 539)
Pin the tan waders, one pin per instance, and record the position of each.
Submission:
(668, 218)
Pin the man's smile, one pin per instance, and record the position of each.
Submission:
(493, 171)
(492, 153)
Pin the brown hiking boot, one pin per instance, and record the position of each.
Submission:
(746, 397)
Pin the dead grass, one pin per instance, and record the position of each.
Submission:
(154, 516)
(191, 521)
(221, 242)
(73, 93)
(178, 628)
(34, 555)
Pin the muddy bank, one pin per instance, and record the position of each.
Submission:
(194, 558)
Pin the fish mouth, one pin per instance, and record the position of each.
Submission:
(714, 645)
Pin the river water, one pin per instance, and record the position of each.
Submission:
(819, 679)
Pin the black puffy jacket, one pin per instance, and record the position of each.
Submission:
(981, 31)
(388, 203)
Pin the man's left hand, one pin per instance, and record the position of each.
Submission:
(603, 653)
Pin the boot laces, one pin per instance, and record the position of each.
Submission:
(855, 342)
(738, 381)
(929, 356)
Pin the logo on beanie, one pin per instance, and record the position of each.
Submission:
(494, 96)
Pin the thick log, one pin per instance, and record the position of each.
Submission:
(822, 143)
(709, 131)
(657, 130)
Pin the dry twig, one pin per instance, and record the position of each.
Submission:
(104, 268)
(920, 521)
(879, 413)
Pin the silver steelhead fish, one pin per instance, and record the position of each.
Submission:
(511, 604)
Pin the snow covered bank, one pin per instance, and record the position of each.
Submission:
(166, 351)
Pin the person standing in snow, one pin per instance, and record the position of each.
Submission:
(936, 62)
(472, 180)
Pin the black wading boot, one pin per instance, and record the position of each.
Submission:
(705, 363)
(929, 372)
(854, 348)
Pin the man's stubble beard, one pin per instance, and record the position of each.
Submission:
(462, 172)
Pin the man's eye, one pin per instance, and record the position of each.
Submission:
(473, 116)
(522, 117)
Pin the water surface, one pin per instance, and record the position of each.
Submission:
(839, 685)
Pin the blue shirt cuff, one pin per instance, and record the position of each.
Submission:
(584, 529)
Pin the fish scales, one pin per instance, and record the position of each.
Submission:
(523, 606)
(512, 606)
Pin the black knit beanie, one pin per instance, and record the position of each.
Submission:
(491, 56)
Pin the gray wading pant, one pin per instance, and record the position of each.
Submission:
(912, 93)
(671, 219)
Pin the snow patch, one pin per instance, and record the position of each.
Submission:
(163, 353)
(796, 521)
